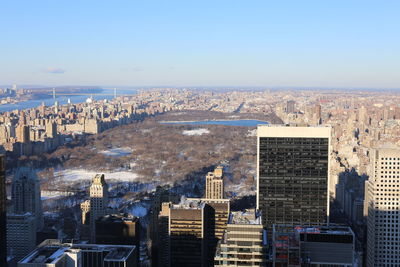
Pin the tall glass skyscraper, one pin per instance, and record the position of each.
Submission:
(293, 173)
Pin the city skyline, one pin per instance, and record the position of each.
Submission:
(310, 44)
(200, 133)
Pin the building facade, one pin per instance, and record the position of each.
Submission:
(98, 204)
(292, 174)
(118, 229)
(215, 184)
(383, 205)
(25, 194)
(189, 239)
(244, 242)
(21, 234)
(328, 245)
(3, 211)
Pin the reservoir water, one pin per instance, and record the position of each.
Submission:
(245, 123)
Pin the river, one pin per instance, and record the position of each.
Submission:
(49, 101)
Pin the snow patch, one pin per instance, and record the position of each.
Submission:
(74, 175)
(117, 152)
(252, 133)
(200, 131)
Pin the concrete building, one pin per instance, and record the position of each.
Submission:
(215, 184)
(21, 234)
(292, 174)
(190, 234)
(98, 203)
(118, 229)
(157, 230)
(3, 207)
(85, 208)
(244, 242)
(22, 133)
(163, 243)
(25, 194)
(53, 253)
(290, 106)
(51, 129)
(221, 209)
(329, 245)
(383, 205)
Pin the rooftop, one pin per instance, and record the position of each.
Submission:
(121, 217)
(189, 203)
(248, 216)
(329, 229)
(51, 251)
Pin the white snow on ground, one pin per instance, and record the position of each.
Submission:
(117, 152)
(74, 175)
(252, 132)
(200, 131)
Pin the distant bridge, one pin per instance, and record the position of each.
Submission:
(75, 94)
(53, 92)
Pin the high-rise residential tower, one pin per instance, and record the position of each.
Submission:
(98, 202)
(292, 174)
(290, 106)
(25, 194)
(215, 184)
(383, 205)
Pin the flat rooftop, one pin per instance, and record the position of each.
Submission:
(328, 229)
(189, 203)
(267, 130)
(245, 217)
(52, 252)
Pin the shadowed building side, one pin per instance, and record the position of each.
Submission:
(3, 199)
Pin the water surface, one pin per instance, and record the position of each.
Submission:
(245, 123)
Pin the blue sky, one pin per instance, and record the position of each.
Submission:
(201, 43)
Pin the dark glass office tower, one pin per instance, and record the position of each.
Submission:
(3, 199)
(293, 169)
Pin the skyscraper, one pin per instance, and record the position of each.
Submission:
(51, 129)
(383, 204)
(21, 234)
(3, 199)
(98, 202)
(118, 229)
(215, 184)
(190, 234)
(292, 170)
(290, 106)
(244, 242)
(25, 194)
(22, 133)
